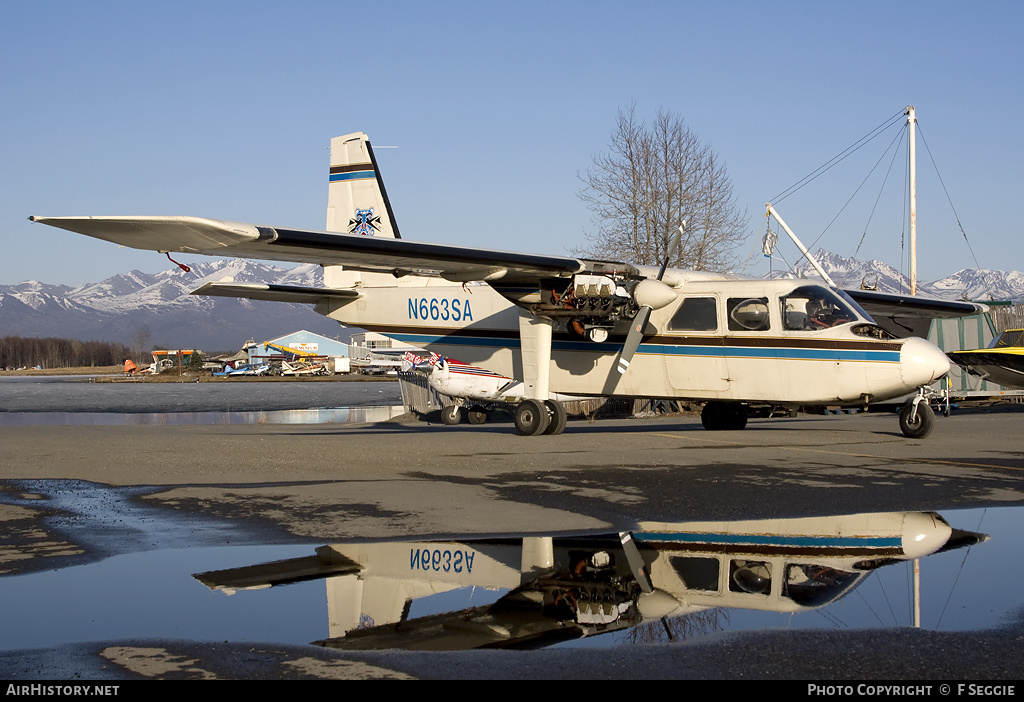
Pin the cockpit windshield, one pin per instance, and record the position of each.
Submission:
(812, 308)
(815, 585)
(1010, 337)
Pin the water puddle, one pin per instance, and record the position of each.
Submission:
(657, 581)
(339, 415)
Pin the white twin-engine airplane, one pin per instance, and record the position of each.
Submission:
(569, 325)
(568, 587)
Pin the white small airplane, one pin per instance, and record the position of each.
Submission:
(473, 388)
(569, 587)
(569, 325)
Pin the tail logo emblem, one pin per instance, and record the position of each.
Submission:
(364, 223)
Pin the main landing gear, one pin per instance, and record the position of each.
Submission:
(452, 414)
(536, 417)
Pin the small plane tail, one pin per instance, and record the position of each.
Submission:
(357, 202)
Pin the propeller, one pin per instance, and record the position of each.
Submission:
(650, 295)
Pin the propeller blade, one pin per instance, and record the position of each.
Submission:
(636, 333)
(671, 252)
(650, 296)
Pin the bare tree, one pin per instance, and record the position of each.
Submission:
(142, 342)
(651, 180)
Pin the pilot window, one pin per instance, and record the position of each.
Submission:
(695, 314)
(1010, 337)
(814, 585)
(748, 314)
(812, 308)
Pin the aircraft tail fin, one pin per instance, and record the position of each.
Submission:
(357, 202)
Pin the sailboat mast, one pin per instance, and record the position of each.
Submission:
(912, 123)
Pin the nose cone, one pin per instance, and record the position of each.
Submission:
(924, 534)
(921, 362)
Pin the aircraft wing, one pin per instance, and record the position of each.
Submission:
(910, 315)
(213, 237)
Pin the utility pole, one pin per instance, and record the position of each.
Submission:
(912, 123)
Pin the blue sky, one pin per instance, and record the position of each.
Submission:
(226, 110)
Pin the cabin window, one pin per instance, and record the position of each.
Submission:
(814, 585)
(812, 308)
(754, 577)
(748, 314)
(695, 314)
(696, 572)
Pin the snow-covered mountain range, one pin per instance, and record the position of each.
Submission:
(132, 307)
(969, 283)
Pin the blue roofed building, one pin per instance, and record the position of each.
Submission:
(302, 344)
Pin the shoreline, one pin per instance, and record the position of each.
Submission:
(115, 374)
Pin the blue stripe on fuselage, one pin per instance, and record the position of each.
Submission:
(772, 540)
(783, 353)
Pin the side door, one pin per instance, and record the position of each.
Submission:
(692, 344)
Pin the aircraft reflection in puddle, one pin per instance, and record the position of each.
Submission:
(564, 588)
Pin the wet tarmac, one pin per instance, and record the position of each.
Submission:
(120, 549)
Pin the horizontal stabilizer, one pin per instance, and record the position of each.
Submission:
(275, 293)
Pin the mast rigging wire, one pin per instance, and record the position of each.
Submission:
(948, 199)
(836, 159)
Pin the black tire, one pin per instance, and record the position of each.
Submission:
(531, 417)
(923, 422)
(451, 415)
(737, 417)
(477, 415)
(558, 418)
(711, 416)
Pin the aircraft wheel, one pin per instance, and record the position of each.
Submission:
(558, 418)
(531, 417)
(451, 415)
(921, 425)
(476, 415)
(711, 416)
(737, 417)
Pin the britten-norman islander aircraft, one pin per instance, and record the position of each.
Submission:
(570, 325)
(557, 589)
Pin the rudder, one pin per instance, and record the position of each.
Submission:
(357, 202)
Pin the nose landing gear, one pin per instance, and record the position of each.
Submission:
(917, 417)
